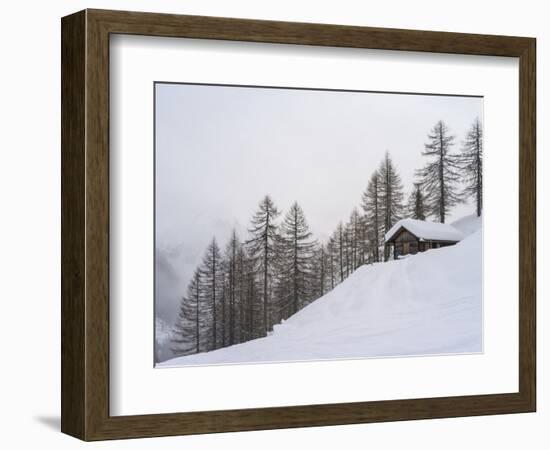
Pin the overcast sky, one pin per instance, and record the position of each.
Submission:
(220, 149)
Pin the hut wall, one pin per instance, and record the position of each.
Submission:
(405, 243)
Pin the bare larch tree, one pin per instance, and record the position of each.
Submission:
(296, 257)
(415, 204)
(212, 278)
(391, 196)
(231, 272)
(261, 248)
(370, 203)
(439, 177)
(187, 329)
(471, 163)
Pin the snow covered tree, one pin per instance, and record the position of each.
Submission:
(415, 205)
(373, 215)
(187, 329)
(212, 278)
(439, 177)
(296, 253)
(261, 248)
(471, 163)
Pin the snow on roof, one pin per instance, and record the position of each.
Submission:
(426, 230)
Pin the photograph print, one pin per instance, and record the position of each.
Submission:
(297, 224)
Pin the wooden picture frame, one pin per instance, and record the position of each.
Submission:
(85, 224)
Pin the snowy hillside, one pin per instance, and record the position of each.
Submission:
(429, 303)
(468, 224)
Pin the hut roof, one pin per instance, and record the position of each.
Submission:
(429, 231)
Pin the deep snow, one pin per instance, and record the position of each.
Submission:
(429, 303)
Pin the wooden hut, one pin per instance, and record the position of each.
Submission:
(410, 236)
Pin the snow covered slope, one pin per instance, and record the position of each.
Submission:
(468, 224)
(429, 303)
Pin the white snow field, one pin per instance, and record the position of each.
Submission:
(426, 304)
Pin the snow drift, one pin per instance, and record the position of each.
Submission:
(429, 303)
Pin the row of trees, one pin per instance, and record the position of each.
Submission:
(240, 293)
(449, 178)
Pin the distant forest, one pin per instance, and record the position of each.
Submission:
(240, 292)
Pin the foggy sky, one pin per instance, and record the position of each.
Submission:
(220, 149)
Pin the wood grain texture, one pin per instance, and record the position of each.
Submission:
(85, 224)
(73, 225)
(201, 27)
(527, 224)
